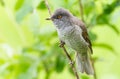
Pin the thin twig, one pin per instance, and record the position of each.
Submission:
(81, 10)
(93, 64)
(70, 59)
(46, 3)
(71, 63)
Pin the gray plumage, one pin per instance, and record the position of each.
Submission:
(73, 33)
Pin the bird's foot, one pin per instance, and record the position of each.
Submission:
(61, 44)
(72, 63)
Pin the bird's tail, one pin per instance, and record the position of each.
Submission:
(84, 64)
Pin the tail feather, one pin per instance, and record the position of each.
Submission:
(83, 64)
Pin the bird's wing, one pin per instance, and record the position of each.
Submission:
(84, 32)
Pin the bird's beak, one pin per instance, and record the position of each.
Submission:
(49, 18)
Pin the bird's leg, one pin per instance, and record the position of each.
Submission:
(73, 62)
(61, 44)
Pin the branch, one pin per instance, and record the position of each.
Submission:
(81, 10)
(93, 64)
(46, 3)
(70, 59)
(71, 62)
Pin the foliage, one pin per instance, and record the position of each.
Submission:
(29, 44)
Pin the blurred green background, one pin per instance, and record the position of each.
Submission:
(29, 44)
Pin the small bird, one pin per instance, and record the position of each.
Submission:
(73, 33)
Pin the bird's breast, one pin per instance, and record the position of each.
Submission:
(72, 37)
(66, 32)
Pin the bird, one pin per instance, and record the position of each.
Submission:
(73, 33)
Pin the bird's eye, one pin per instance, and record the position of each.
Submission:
(59, 16)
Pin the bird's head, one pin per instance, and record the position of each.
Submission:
(61, 16)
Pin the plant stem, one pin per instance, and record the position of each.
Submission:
(81, 10)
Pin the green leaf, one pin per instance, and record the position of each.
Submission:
(60, 63)
(23, 12)
(95, 59)
(2, 2)
(26, 8)
(93, 36)
(42, 5)
(89, 6)
(114, 28)
(11, 33)
(103, 45)
(85, 77)
(102, 19)
(110, 7)
(3, 67)
(70, 70)
(24, 76)
(19, 3)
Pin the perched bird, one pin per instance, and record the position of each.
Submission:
(73, 33)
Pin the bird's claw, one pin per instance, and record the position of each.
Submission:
(72, 63)
(61, 44)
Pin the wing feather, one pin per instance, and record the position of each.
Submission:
(84, 32)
